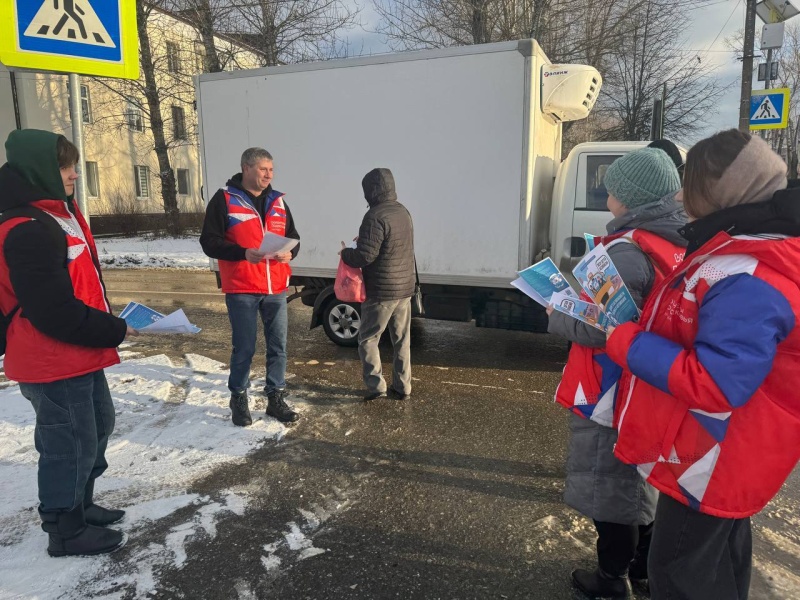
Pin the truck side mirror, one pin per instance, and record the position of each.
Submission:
(577, 247)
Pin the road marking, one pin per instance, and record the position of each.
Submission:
(488, 387)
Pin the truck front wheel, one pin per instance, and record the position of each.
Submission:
(342, 321)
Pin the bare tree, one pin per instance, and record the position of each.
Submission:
(280, 31)
(646, 61)
(161, 100)
(632, 42)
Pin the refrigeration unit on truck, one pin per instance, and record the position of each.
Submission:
(473, 137)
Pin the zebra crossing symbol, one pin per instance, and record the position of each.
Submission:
(766, 111)
(69, 21)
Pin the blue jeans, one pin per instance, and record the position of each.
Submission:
(243, 309)
(74, 418)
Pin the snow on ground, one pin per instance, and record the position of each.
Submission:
(172, 428)
(147, 252)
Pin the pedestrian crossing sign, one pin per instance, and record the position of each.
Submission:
(769, 109)
(87, 37)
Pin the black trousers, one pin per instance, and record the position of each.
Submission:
(696, 556)
(619, 545)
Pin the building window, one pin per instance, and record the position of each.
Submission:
(92, 180)
(141, 176)
(86, 104)
(133, 116)
(183, 182)
(200, 57)
(173, 58)
(178, 123)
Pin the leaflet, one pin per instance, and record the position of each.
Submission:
(274, 244)
(590, 244)
(584, 311)
(541, 281)
(600, 279)
(139, 316)
(146, 320)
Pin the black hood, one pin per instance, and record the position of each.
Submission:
(16, 190)
(778, 215)
(378, 187)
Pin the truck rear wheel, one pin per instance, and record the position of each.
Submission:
(342, 322)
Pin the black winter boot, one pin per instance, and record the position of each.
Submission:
(277, 407)
(97, 515)
(599, 585)
(240, 411)
(71, 536)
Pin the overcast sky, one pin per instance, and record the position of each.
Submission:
(723, 19)
(705, 37)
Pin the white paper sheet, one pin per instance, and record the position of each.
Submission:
(274, 244)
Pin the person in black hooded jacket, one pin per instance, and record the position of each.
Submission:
(385, 255)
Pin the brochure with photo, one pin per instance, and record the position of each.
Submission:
(584, 311)
(601, 281)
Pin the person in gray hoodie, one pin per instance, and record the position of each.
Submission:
(642, 241)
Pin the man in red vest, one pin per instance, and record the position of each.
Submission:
(237, 217)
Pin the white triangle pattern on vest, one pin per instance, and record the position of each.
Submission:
(695, 479)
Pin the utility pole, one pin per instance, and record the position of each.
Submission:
(747, 65)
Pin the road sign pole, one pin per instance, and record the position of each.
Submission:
(77, 138)
(766, 83)
(747, 65)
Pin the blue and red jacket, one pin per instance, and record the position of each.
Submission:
(589, 384)
(709, 409)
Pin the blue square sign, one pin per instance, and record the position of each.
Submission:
(88, 29)
(87, 37)
(769, 109)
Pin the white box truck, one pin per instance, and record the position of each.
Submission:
(473, 137)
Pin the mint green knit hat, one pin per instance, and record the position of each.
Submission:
(641, 177)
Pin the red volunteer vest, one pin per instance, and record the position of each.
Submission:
(245, 228)
(589, 384)
(31, 356)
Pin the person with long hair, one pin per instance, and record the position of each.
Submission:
(709, 410)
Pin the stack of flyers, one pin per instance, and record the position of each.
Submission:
(541, 281)
(600, 279)
(604, 300)
(146, 320)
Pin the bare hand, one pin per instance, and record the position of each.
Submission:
(284, 257)
(131, 331)
(343, 247)
(610, 332)
(252, 255)
(549, 310)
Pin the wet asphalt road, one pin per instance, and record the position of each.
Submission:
(453, 494)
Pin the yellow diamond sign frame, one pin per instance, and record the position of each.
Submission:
(87, 37)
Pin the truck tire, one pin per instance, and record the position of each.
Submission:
(341, 322)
